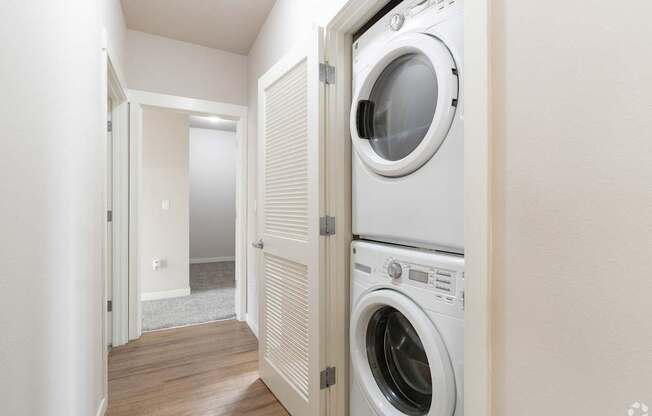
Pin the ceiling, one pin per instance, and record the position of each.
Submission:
(230, 25)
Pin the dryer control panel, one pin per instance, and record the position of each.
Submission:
(438, 276)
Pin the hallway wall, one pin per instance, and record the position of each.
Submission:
(164, 232)
(213, 158)
(52, 212)
(167, 66)
(572, 190)
(116, 33)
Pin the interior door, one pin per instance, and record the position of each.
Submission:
(290, 127)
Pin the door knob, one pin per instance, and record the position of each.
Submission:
(258, 244)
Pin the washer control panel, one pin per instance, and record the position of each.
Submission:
(434, 275)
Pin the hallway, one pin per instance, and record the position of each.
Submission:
(208, 369)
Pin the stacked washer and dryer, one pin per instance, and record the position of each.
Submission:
(407, 263)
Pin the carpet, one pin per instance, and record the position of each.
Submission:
(212, 298)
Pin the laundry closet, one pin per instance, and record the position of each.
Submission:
(407, 260)
(362, 126)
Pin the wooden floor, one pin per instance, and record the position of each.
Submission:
(201, 370)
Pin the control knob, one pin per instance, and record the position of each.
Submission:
(396, 21)
(394, 270)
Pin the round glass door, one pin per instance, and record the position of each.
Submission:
(404, 100)
(398, 357)
(398, 362)
(405, 104)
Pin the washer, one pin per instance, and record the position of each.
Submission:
(407, 127)
(407, 331)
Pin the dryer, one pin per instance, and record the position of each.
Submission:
(406, 332)
(407, 127)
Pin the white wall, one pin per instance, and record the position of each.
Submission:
(52, 209)
(162, 65)
(212, 193)
(116, 36)
(289, 22)
(164, 233)
(572, 118)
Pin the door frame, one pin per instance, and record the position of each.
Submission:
(111, 87)
(234, 112)
(120, 209)
(477, 194)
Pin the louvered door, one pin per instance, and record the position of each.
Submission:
(289, 136)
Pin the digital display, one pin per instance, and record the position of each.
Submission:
(418, 276)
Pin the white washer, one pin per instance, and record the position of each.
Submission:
(407, 331)
(407, 127)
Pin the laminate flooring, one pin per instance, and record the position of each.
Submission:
(201, 370)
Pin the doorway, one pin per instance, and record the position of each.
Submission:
(191, 211)
(189, 163)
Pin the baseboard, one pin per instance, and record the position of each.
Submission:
(165, 294)
(253, 326)
(101, 411)
(211, 259)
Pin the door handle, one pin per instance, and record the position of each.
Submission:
(258, 244)
(364, 119)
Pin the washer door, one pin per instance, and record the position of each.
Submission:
(399, 358)
(405, 105)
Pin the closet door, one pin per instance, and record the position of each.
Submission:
(290, 106)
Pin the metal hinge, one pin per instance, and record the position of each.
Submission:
(327, 378)
(326, 225)
(109, 305)
(326, 73)
(109, 216)
(109, 126)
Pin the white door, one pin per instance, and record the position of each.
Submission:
(290, 202)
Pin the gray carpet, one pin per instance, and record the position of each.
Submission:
(212, 298)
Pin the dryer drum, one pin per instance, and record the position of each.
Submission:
(398, 362)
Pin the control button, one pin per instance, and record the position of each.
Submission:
(419, 8)
(394, 270)
(396, 21)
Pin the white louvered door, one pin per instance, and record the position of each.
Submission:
(290, 104)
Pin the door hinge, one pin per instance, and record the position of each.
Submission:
(109, 126)
(326, 225)
(327, 378)
(326, 73)
(109, 216)
(109, 305)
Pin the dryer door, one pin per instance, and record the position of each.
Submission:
(405, 104)
(399, 357)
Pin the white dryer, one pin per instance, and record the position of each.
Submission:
(407, 127)
(407, 331)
